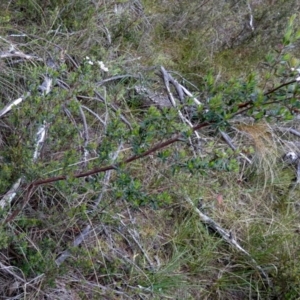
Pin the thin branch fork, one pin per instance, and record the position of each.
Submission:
(248, 105)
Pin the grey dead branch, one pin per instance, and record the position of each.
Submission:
(227, 237)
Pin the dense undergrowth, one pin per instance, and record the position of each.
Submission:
(97, 166)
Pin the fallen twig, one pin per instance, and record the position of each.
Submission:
(232, 146)
(228, 238)
(40, 139)
(85, 136)
(11, 194)
(9, 106)
(290, 130)
(79, 239)
(168, 78)
(118, 77)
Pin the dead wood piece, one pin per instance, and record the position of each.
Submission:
(290, 130)
(79, 239)
(229, 239)
(10, 195)
(149, 97)
(228, 140)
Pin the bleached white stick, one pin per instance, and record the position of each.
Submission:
(9, 106)
(228, 238)
(15, 53)
(182, 117)
(40, 139)
(11, 194)
(46, 86)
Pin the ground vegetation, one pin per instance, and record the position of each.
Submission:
(149, 149)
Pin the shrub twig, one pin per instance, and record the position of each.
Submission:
(33, 185)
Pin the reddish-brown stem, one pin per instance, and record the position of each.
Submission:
(279, 87)
(158, 146)
(245, 104)
(178, 137)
